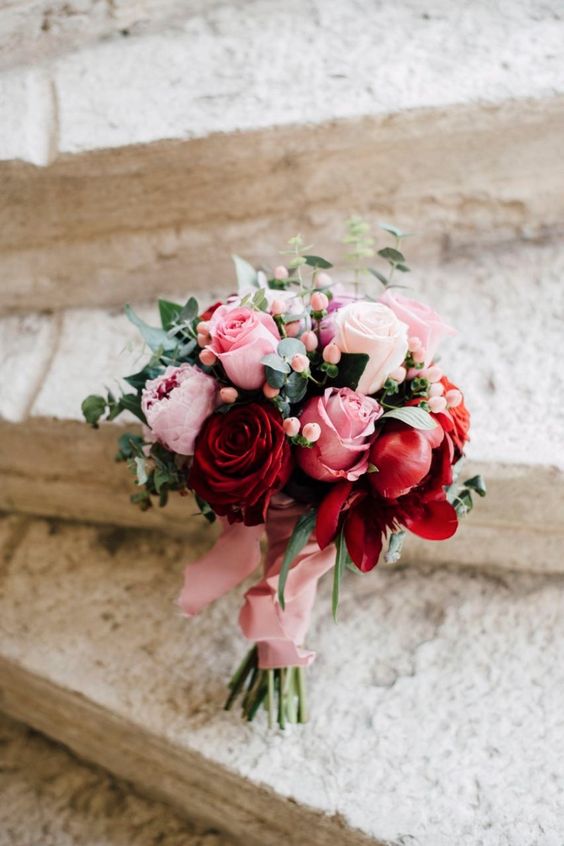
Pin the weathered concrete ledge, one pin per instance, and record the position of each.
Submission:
(421, 695)
(50, 797)
(102, 227)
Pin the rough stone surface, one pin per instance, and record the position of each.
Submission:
(436, 700)
(49, 798)
(27, 346)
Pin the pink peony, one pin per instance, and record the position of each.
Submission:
(240, 338)
(422, 322)
(347, 420)
(176, 404)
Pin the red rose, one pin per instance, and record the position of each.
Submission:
(208, 313)
(460, 418)
(241, 459)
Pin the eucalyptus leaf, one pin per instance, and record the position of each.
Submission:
(275, 378)
(275, 363)
(296, 387)
(189, 311)
(169, 313)
(317, 261)
(413, 416)
(290, 347)
(247, 276)
(477, 484)
(298, 539)
(394, 230)
(156, 339)
(380, 276)
(391, 255)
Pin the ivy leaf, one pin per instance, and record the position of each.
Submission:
(93, 407)
(413, 416)
(169, 313)
(317, 261)
(275, 363)
(478, 484)
(351, 368)
(391, 255)
(247, 276)
(132, 403)
(342, 558)
(156, 339)
(290, 347)
(298, 539)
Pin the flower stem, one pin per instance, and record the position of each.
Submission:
(303, 711)
(270, 698)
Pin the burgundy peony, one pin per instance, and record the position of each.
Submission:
(241, 459)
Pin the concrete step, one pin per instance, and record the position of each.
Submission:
(125, 164)
(508, 305)
(436, 699)
(50, 798)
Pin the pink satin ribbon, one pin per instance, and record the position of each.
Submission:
(279, 633)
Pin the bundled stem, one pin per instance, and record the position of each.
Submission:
(282, 691)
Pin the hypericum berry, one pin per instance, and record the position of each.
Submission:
(293, 329)
(398, 375)
(323, 280)
(281, 273)
(434, 373)
(414, 344)
(203, 340)
(312, 432)
(208, 358)
(453, 398)
(291, 426)
(437, 404)
(299, 363)
(203, 327)
(319, 301)
(277, 307)
(310, 341)
(228, 395)
(418, 355)
(332, 354)
(437, 389)
(269, 391)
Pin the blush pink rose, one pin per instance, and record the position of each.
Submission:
(347, 420)
(374, 329)
(176, 404)
(240, 338)
(422, 322)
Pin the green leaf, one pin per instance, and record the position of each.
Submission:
(140, 470)
(169, 313)
(205, 509)
(189, 311)
(391, 255)
(380, 276)
(259, 300)
(478, 484)
(412, 415)
(93, 407)
(129, 445)
(394, 230)
(132, 403)
(161, 477)
(154, 338)
(404, 268)
(139, 380)
(296, 387)
(342, 558)
(290, 347)
(247, 276)
(317, 261)
(275, 378)
(298, 539)
(351, 368)
(275, 363)
(331, 369)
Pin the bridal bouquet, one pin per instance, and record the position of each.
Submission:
(310, 409)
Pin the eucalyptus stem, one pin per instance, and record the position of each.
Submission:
(303, 710)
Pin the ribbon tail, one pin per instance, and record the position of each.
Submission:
(234, 556)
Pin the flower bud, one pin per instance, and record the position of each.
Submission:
(437, 404)
(319, 301)
(203, 327)
(453, 398)
(310, 341)
(300, 363)
(269, 391)
(332, 354)
(398, 375)
(437, 389)
(418, 355)
(208, 358)
(281, 272)
(228, 395)
(293, 329)
(291, 426)
(203, 340)
(312, 432)
(434, 373)
(323, 280)
(414, 344)
(277, 307)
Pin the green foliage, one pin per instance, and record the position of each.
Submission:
(205, 509)
(247, 276)
(299, 537)
(296, 387)
(156, 339)
(276, 362)
(93, 408)
(351, 367)
(289, 347)
(169, 313)
(412, 415)
(318, 262)
(342, 559)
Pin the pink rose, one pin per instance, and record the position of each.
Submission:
(422, 322)
(372, 328)
(240, 338)
(347, 420)
(176, 404)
